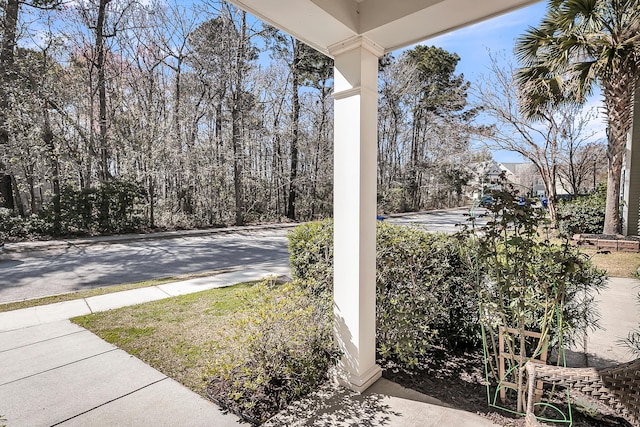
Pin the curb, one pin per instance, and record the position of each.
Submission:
(45, 245)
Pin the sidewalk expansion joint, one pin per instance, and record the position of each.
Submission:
(109, 401)
(41, 341)
(58, 367)
(87, 304)
(163, 291)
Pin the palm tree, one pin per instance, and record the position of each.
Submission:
(578, 44)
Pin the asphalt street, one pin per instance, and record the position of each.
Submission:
(56, 271)
(444, 221)
(67, 268)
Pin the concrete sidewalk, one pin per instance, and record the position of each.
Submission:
(61, 374)
(27, 317)
(57, 373)
(620, 314)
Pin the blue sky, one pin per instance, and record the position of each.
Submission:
(497, 35)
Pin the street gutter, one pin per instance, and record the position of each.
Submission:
(45, 245)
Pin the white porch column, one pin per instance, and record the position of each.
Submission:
(631, 207)
(355, 165)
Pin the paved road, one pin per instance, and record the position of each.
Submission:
(437, 221)
(41, 273)
(70, 268)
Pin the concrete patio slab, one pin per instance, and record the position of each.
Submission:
(28, 360)
(125, 298)
(384, 404)
(56, 395)
(164, 403)
(33, 316)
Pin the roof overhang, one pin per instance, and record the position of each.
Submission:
(389, 24)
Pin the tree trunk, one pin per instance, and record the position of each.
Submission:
(319, 140)
(237, 162)
(236, 125)
(17, 199)
(551, 199)
(618, 97)
(295, 119)
(414, 174)
(102, 90)
(612, 223)
(6, 192)
(47, 138)
(8, 38)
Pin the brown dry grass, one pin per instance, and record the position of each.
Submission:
(616, 264)
(178, 336)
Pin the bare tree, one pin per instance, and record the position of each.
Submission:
(8, 43)
(545, 142)
(583, 167)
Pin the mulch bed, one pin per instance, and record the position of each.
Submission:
(458, 379)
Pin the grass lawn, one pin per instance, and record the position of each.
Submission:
(178, 336)
(616, 264)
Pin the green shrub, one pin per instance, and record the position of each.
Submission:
(283, 349)
(16, 227)
(582, 215)
(393, 200)
(10, 225)
(424, 292)
(112, 207)
(425, 296)
(526, 283)
(311, 255)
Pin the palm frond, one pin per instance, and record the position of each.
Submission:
(530, 43)
(586, 75)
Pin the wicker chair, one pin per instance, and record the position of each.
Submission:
(617, 387)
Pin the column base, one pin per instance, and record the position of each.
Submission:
(357, 383)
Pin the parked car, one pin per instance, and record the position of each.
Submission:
(486, 200)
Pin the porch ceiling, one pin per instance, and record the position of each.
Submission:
(391, 24)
